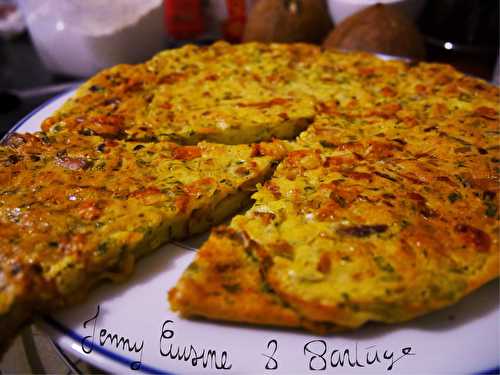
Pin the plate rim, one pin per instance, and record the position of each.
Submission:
(66, 332)
(108, 354)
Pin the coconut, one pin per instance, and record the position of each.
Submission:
(285, 21)
(378, 28)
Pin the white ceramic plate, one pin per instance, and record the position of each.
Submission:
(129, 328)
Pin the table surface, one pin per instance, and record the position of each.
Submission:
(21, 69)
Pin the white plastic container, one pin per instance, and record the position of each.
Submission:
(340, 9)
(80, 37)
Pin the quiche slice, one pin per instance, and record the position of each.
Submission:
(77, 210)
(367, 219)
(223, 93)
(226, 282)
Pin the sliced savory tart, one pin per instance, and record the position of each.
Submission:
(224, 94)
(74, 211)
(384, 207)
(235, 94)
(377, 214)
(226, 282)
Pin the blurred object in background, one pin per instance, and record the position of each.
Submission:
(185, 19)
(201, 21)
(464, 33)
(379, 29)
(341, 9)
(233, 26)
(81, 37)
(286, 21)
(11, 20)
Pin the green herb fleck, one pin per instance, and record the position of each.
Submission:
(264, 287)
(102, 248)
(463, 181)
(383, 264)
(96, 88)
(404, 223)
(464, 97)
(193, 267)
(489, 201)
(327, 144)
(355, 307)
(491, 210)
(340, 201)
(459, 270)
(453, 197)
(232, 288)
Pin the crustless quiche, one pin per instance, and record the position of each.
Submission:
(383, 206)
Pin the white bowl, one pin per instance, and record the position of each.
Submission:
(82, 46)
(340, 9)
